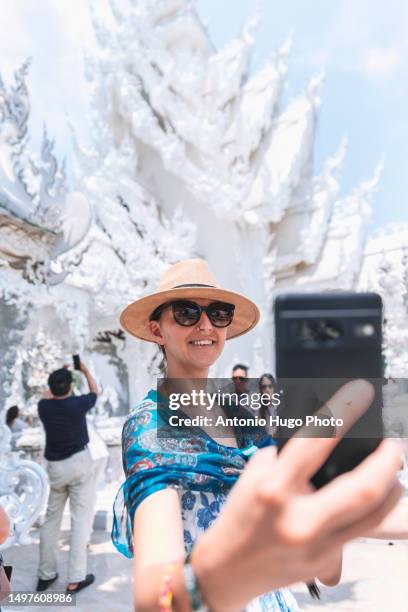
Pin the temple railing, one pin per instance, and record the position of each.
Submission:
(23, 490)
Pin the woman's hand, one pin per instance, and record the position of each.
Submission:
(273, 532)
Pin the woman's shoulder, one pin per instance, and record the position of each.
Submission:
(141, 411)
(149, 402)
(140, 424)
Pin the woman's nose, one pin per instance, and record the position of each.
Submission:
(204, 322)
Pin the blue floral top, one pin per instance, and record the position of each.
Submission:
(198, 468)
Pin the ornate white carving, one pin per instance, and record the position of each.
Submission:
(39, 220)
(23, 491)
(385, 270)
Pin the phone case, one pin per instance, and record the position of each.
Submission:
(322, 341)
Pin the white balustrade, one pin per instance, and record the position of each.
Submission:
(23, 491)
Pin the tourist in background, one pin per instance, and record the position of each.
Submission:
(267, 386)
(69, 467)
(13, 420)
(16, 424)
(240, 389)
(240, 378)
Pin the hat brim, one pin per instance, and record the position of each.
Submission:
(135, 317)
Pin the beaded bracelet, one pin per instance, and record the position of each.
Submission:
(166, 593)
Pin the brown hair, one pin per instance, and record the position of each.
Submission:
(263, 411)
(11, 415)
(163, 362)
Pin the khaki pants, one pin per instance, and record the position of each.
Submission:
(70, 478)
(98, 475)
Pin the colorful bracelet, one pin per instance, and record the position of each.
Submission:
(166, 593)
(192, 588)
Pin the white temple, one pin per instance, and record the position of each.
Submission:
(191, 155)
(184, 161)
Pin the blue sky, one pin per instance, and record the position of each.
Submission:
(361, 45)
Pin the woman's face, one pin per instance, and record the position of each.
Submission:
(189, 349)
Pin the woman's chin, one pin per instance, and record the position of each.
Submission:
(202, 358)
(201, 363)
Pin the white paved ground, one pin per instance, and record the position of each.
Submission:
(375, 578)
(111, 590)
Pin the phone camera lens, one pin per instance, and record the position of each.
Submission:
(317, 331)
(364, 330)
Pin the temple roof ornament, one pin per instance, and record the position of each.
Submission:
(39, 218)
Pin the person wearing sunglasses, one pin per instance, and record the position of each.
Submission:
(240, 378)
(212, 525)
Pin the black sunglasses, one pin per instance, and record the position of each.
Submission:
(188, 313)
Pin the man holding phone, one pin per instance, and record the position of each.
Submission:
(69, 467)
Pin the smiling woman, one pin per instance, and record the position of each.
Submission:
(190, 317)
(232, 524)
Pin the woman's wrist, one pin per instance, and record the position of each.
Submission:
(181, 602)
(184, 586)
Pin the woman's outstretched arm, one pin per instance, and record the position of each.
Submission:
(267, 535)
(158, 541)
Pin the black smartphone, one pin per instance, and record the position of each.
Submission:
(322, 341)
(77, 362)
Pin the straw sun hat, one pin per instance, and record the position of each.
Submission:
(189, 279)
